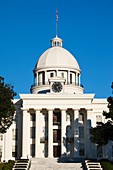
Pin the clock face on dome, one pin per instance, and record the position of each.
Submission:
(57, 87)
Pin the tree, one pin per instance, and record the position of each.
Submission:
(7, 108)
(103, 132)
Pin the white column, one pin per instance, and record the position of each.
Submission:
(38, 78)
(37, 134)
(4, 147)
(26, 135)
(76, 133)
(50, 133)
(63, 132)
(46, 78)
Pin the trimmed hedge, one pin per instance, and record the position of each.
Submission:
(7, 166)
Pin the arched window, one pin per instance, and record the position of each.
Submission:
(70, 78)
(62, 74)
(43, 78)
(51, 74)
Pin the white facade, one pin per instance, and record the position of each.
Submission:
(54, 120)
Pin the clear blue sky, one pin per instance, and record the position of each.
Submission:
(86, 27)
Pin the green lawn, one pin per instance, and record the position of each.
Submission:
(106, 164)
(7, 166)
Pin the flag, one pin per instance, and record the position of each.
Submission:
(56, 15)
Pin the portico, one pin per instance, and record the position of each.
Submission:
(54, 132)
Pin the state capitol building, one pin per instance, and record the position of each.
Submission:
(54, 120)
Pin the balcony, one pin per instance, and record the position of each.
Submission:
(48, 83)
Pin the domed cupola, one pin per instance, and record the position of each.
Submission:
(57, 64)
(56, 42)
(57, 56)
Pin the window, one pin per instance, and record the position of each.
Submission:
(56, 135)
(33, 117)
(81, 149)
(14, 134)
(1, 137)
(56, 118)
(81, 117)
(62, 74)
(81, 132)
(14, 151)
(112, 151)
(32, 132)
(70, 78)
(69, 131)
(99, 151)
(98, 118)
(51, 74)
(43, 78)
(0, 151)
(32, 150)
(58, 44)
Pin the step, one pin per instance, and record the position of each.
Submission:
(22, 164)
(94, 169)
(94, 163)
(19, 169)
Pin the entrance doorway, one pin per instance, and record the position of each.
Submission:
(57, 151)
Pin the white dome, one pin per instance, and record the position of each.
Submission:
(57, 64)
(57, 57)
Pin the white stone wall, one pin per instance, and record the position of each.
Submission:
(49, 102)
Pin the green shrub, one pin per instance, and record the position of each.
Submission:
(7, 166)
(106, 164)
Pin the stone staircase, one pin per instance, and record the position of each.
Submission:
(22, 164)
(93, 165)
(55, 164)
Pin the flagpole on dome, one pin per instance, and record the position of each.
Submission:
(56, 22)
